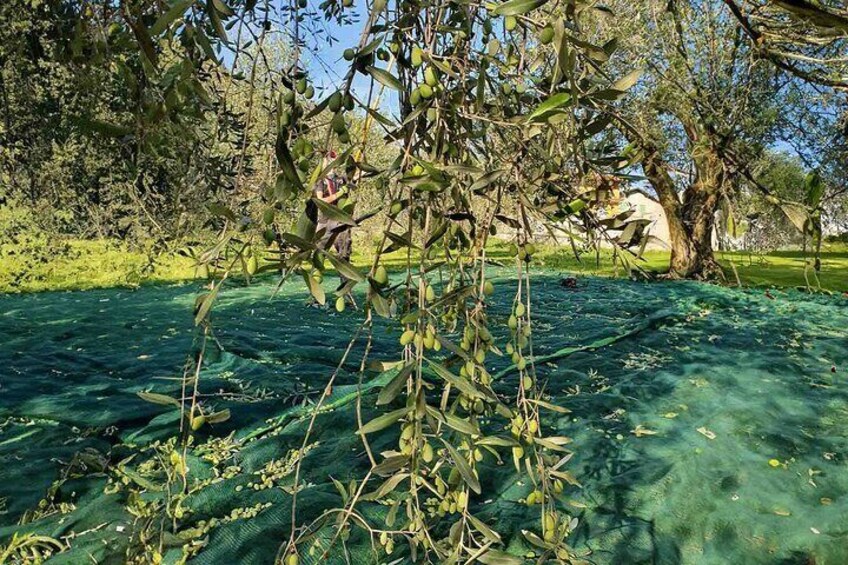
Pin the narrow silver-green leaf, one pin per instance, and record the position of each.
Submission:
(218, 417)
(170, 16)
(518, 7)
(552, 105)
(484, 529)
(344, 268)
(385, 78)
(391, 390)
(384, 421)
(463, 385)
(157, 398)
(334, 213)
(463, 468)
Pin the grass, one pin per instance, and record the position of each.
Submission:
(786, 268)
(777, 269)
(80, 265)
(85, 264)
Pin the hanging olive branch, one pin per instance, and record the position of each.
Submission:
(492, 120)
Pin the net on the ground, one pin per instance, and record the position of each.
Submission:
(710, 425)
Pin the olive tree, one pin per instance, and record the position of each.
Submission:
(492, 121)
(707, 109)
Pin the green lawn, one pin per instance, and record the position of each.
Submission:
(85, 264)
(76, 265)
(786, 268)
(779, 268)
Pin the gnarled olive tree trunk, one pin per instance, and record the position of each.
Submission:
(691, 219)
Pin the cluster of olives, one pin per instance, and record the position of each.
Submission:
(550, 526)
(478, 339)
(387, 542)
(407, 441)
(338, 104)
(519, 427)
(520, 328)
(524, 252)
(291, 109)
(431, 84)
(451, 503)
(426, 339)
(273, 471)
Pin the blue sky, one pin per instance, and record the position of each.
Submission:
(323, 57)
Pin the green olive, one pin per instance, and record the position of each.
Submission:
(430, 77)
(338, 123)
(335, 102)
(417, 56)
(407, 337)
(380, 275)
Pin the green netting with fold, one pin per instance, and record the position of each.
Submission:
(710, 425)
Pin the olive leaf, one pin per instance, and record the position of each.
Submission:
(463, 385)
(549, 107)
(627, 81)
(344, 268)
(334, 213)
(218, 417)
(170, 16)
(391, 465)
(549, 406)
(388, 486)
(393, 388)
(495, 557)
(518, 7)
(384, 421)
(157, 398)
(815, 188)
(484, 529)
(284, 159)
(315, 288)
(385, 78)
(486, 179)
(463, 468)
(204, 304)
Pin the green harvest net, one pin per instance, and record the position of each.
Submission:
(710, 425)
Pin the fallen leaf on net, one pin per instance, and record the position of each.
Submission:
(706, 433)
(642, 431)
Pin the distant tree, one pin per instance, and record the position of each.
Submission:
(708, 108)
(69, 146)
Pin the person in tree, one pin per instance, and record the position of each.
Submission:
(334, 189)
